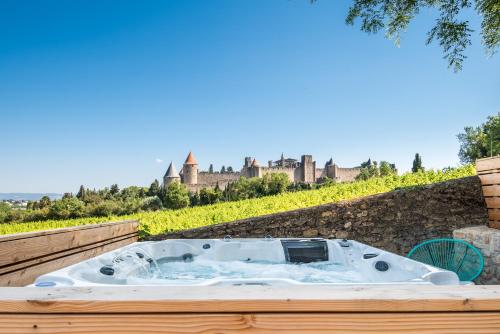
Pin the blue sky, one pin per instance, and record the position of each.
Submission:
(94, 92)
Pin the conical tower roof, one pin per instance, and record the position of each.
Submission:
(190, 160)
(171, 171)
(255, 163)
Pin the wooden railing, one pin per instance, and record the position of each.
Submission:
(488, 170)
(25, 256)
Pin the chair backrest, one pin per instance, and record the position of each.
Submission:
(451, 254)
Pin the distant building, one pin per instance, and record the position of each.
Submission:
(303, 171)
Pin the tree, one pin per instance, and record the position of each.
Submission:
(132, 192)
(4, 211)
(152, 203)
(211, 169)
(154, 188)
(44, 202)
(175, 196)
(194, 199)
(451, 31)
(481, 141)
(275, 183)
(371, 169)
(67, 208)
(114, 189)
(223, 169)
(210, 196)
(230, 169)
(67, 195)
(81, 193)
(417, 164)
(387, 169)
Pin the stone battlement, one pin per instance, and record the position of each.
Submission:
(303, 171)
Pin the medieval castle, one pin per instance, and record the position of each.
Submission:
(303, 171)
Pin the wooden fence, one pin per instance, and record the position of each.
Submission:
(25, 256)
(488, 170)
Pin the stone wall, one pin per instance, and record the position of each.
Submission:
(289, 171)
(487, 240)
(209, 180)
(342, 174)
(395, 221)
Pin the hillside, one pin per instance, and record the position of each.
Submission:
(172, 220)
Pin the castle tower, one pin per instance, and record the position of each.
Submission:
(171, 175)
(331, 169)
(248, 162)
(255, 170)
(190, 170)
(308, 167)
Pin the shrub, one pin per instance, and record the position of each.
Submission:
(175, 196)
(152, 203)
(67, 208)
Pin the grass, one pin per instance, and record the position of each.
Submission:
(173, 220)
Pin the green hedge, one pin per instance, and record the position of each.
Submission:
(172, 220)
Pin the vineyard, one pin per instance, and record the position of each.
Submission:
(172, 220)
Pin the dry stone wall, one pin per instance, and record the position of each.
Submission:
(395, 221)
(487, 240)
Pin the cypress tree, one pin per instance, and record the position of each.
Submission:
(81, 193)
(417, 164)
(154, 188)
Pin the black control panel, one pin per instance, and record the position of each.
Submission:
(305, 250)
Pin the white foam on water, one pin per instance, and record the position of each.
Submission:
(202, 269)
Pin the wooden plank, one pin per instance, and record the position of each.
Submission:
(29, 247)
(494, 224)
(258, 323)
(491, 191)
(196, 299)
(490, 171)
(487, 164)
(492, 202)
(58, 255)
(487, 179)
(16, 236)
(494, 214)
(28, 275)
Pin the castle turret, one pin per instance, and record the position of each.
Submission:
(248, 162)
(190, 170)
(171, 175)
(255, 170)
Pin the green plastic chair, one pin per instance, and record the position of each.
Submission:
(451, 254)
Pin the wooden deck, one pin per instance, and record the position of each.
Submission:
(252, 309)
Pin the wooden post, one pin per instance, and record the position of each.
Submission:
(488, 170)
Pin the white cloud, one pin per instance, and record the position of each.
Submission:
(158, 160)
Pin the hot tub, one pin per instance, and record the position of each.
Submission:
(212, 262)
